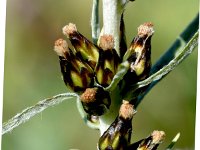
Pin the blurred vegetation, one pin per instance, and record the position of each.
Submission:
(32, 73)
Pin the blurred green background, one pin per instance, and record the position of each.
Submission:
(32, 73)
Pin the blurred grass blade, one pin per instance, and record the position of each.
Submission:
(29, 112)
(179, 43)
(187, 50)
(173, 142)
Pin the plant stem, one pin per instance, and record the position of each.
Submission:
(112, 11)
(29, 112)
(95, 21)
(84, 116)
(107, 119)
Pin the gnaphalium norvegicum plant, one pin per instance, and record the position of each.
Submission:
(104, 76)
(109, 78)
(88, 69)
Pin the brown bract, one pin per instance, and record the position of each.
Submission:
(89, 95)
(126, 110)
(106, 42)
(145, 29)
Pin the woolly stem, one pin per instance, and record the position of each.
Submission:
(95, 21)
(29, 112)
(112, 11)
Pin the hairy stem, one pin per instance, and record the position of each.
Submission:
(29, 112)
(95, 21)
(107, 119)
(112, 11)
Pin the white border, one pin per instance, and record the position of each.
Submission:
(2, 52)
(197, 123)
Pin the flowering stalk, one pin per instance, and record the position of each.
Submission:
(112, 12)
(103, 74)
(95, 25)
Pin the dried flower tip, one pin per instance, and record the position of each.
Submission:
(89, 95)
(96, 101)
(145, 29)
(61, 47)
(106, 42)
(69, 29)
(158, 136)
(126, 110)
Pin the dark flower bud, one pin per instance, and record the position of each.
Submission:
(77, 75)
(108, 61)
(139, 57)
(96, 101)
(139, 53)
(84, 49)
(61, 48)
(150, 143)
(118, 135)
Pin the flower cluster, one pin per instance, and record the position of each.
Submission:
(89, 69)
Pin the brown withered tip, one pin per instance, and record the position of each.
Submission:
(158, 136)
(89, 95)
(126, 110)
(146, 29)
(69, 29)
(106, 42)
(61, 47)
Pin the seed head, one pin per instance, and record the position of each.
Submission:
(69, 29)
(106, 42)
(61, 47)
(96, 101)
(89, 95)
(145, 29)
(158, 136)
(126, 110)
